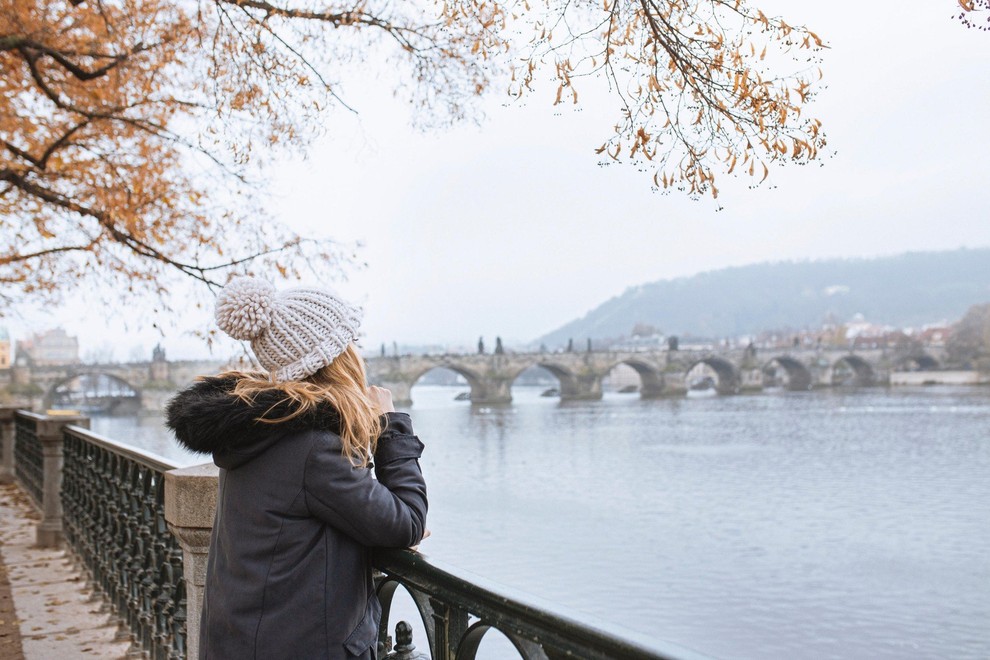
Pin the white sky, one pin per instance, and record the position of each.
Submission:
(512, 228)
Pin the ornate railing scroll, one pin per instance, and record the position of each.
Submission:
(114, 520)
(459, 609)
(28, 458)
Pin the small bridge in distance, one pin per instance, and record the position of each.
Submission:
(105, 388)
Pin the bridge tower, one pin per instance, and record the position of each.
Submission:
(158, 369)
(21, 371)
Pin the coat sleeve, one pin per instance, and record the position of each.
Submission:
(388, 512)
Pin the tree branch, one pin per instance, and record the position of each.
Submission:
(15, 258)
(127, 239)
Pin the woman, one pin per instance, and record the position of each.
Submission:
(298, 510)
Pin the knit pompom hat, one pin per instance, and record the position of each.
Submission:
(293, 333)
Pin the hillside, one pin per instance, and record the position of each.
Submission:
(908, 290)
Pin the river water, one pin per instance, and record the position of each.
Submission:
(826, 524)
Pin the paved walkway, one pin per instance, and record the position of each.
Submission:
(57, 615)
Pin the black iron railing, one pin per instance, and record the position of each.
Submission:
(112, 517)
(28, 457)
(114, 520)
(458, 609)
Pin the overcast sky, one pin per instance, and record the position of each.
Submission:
(512, 228)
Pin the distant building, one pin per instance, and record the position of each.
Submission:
(4, 349)
(935, 335)
(860, 329)
(638, 343)
(50, 348)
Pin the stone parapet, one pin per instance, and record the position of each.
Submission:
(7, 444)
(48, 432)
(190, 507)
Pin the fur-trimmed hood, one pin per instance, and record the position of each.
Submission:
(206, 418)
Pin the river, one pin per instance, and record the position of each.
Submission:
(826, 524)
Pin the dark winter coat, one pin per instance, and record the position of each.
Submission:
(289, 572)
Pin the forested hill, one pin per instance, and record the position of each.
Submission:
(909, 290)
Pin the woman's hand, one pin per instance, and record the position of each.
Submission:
(415, 548)
(382, 399)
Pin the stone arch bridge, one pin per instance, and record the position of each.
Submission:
(143, 385)
(661, 372)
(490, 376)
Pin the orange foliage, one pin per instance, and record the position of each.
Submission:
(135, 132)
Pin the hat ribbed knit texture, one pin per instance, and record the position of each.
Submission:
(293, 333)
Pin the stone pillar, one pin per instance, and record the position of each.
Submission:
(674, 383)
(583, 387)
(492, 390)
(751, 379)
(158, 372)
(190, 507)
(651, 388)
(7, 444)
(49, 431)
(821, 373)
(154, 400)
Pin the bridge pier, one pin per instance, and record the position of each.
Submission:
(492, 390)
(584, 387)
(153, 401)
(651, 381)
(821, 375)
(674, 383)
(751, 379)
(651, 390)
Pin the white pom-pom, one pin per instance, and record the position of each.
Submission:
(245, 306)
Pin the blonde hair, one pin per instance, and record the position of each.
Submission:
(342, 384)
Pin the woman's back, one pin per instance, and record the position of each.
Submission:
(298, 510)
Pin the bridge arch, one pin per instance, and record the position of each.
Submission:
(651, 382)
(852, 370)
(796, 375)
(535, 373)
(96, 391)
(726, 375)
(917, 362)
(572, 386)
(474, 381)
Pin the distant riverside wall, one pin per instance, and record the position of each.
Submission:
(939, 378)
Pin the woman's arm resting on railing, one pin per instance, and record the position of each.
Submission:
(387, 512)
